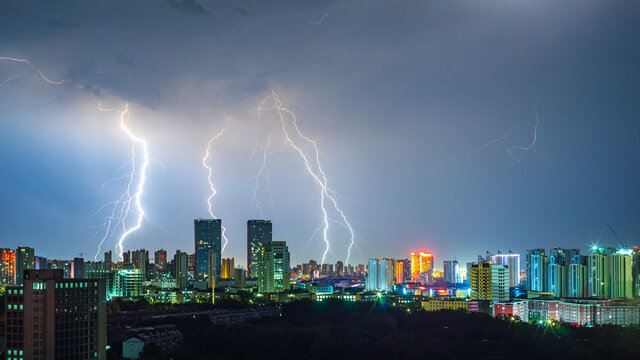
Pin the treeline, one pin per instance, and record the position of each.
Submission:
(335, 329)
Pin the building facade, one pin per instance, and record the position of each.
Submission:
(259, 232)
(274, 268)
(208, 237)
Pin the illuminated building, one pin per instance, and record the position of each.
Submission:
(259, 232)
(339, 268)
(635, 272)
(537, 266)
(399, 272)
(361, 269)
(617, 314)
(452, 272)
(180, 261)
(489, 282)
(51, 317)
(380, 277)
(63, 265)
(208, 237)
(274, 267)
(120, 282)
(7, 267)
(621, 276)
(578, 278)
(544, 309)
(512, 261)
(512, 309)
(421, 263)
(556, 279)
(437, 305)
(140, 260)
(227, 268)
(599, 275)
(25, 260)
(160, 259)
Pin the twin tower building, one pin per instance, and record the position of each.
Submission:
(268, 261)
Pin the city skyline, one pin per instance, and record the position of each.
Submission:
(450, 158)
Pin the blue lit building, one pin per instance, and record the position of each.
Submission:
(208, 237)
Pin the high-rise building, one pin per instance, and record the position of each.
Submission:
(274, 270)
(599, 270)
(140, 260)
(208, 237)
(7, 267)
(180, 261)
(214, 271)
(399, 272)
(108, 260)
(64, 265)
(635, 272)
(489, 282)
(578, 277)
(259, 232)
(51, 317)
(512, 261)
(119, 282)
(452, 272)
(41, 263)
(228, 265)
(160, 259)
(77, 268)
(25, 260)
(380, 277)
(421, 265)
(339, 268)
(239, 277)
(621, 275)
(556, 280)
(537, 267)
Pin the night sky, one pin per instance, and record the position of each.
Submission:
(400, 97)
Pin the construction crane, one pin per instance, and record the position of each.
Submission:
(622, 243)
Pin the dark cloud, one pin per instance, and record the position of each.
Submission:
(188, 7)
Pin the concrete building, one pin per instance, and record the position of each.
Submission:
(51, 317)
(380, 276)
(599, 269)
(162, 337)
(621, 275)
(421, 265)
(213, 270)
(512, 310)
(489, 282)
(228, 265)
(120, 282)
(452, 272)
(537, 266)
(180, 261)
(274, 268)
(578, 279)
(160, 260)
(437, 305)
(7, 267)
(25, 260)
(512, 261)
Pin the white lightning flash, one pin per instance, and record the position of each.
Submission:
(132, 194)
(318, 175)
(532, 144)
(485, 145)
(213, 189)
(39, 72)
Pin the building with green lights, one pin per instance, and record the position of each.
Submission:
(274, 270)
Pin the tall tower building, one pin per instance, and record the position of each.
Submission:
(25, 260)
(489, 282)
(160, 259)
(51, 317)
(537, 267)
(7, 267)
(452, 271)
(214, 272)
(577, 279)
(77, 268)
(621, 276)
(512, 261)
(274, 270)
(399, 272)
(108, 260)
(380, 277)
(259, 232)
(208, 237)
(421, 265)
(598, 264)
(227, 268)
(339, 268)
(181, 260)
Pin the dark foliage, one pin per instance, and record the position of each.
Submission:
(335, 329)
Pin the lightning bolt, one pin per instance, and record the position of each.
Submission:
(532, 144)
(316, 23)
(133, 194)
(211, 187)
(125, 201)
(39, 72)
(318, 175)
(485, 145)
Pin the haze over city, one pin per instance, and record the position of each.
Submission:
(451, 126)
